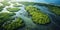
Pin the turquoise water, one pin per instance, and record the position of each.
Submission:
(55, 2)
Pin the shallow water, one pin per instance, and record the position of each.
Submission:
(29, 23)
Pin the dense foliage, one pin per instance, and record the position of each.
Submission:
(5, 3)
(5, 17)
(14, 24)
(17, 5)
(55, 9)
(14, 9)
(1, 7)
(9, 20)
(37, 16)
